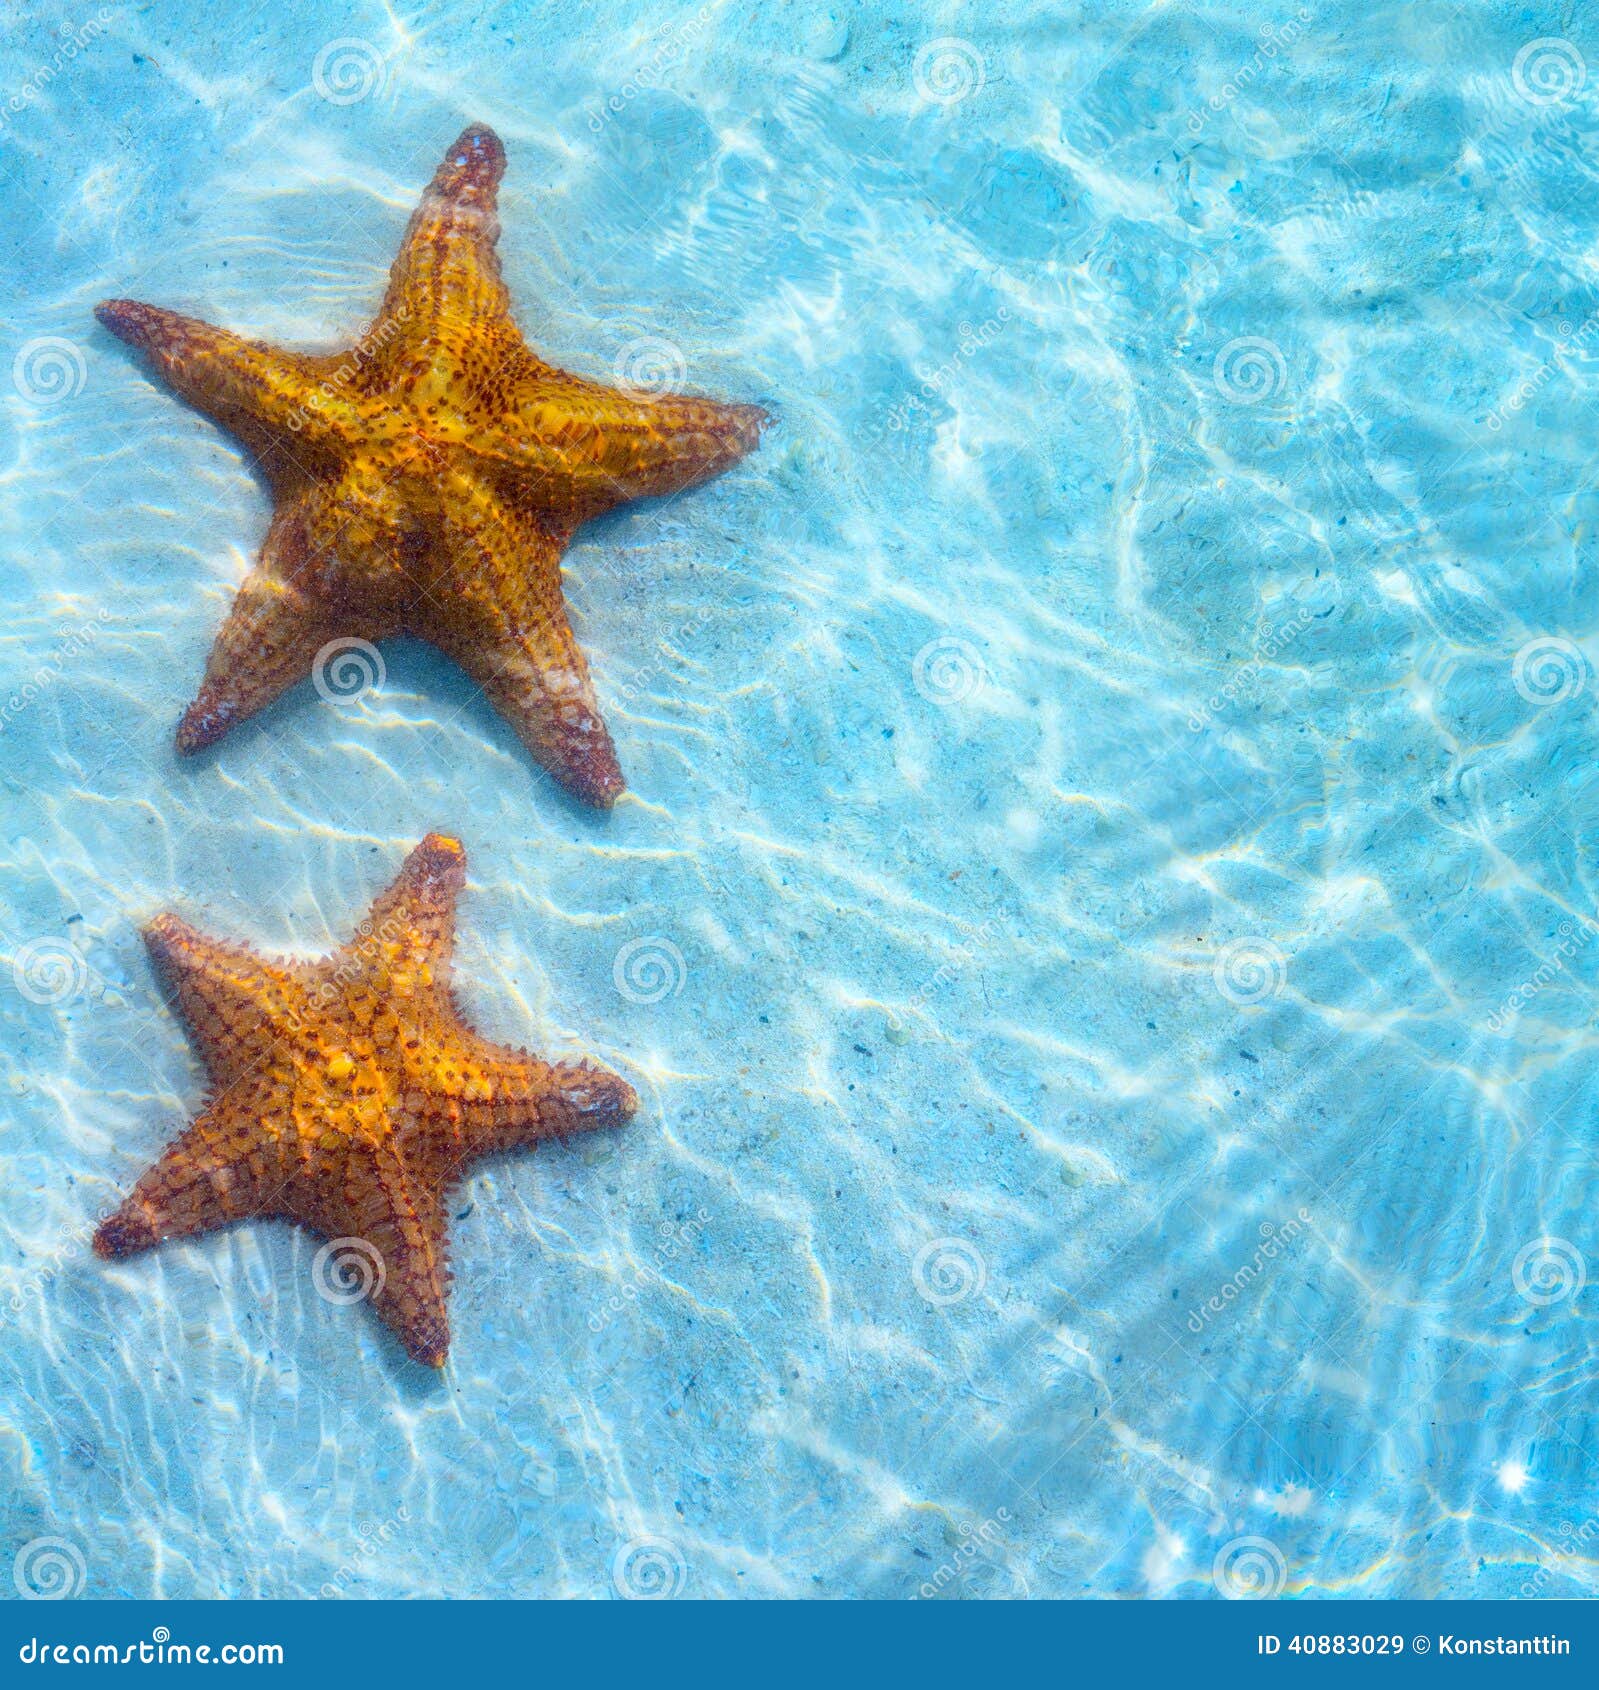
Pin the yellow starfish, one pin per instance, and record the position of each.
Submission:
(428, 481)
(348, 1096)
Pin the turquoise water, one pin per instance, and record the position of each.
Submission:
(1101, 928)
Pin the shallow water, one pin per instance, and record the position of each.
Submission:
(1101, 925)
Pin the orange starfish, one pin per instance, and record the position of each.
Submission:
(348, 1096)
(427, 481)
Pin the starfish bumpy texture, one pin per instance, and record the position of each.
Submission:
(349, 1097)
(428, 481)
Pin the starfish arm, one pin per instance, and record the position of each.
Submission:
(237, 1005)
(447, 273)
(532, 1100)
(403, 945)
(399, 1216)
(269, 641)
(282, 405)
(613, 447)
(472, 1098)
(219, 1171)
(281, 620)
(499, 612)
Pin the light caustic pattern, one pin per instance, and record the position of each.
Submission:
(1099, 923)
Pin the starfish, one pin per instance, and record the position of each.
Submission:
(349, 1097)
(428, 481)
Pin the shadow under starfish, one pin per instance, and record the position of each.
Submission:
(348, 1096)
(429, 480)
